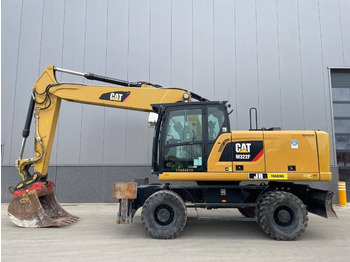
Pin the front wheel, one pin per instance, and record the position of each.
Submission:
(164, 215)
(282, 215)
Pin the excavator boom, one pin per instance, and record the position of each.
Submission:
(46, 98)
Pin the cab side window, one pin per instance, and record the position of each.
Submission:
(216, 118)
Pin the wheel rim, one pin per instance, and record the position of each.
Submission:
(284, 216)
(163, 215)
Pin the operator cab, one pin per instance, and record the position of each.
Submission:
(185, 134)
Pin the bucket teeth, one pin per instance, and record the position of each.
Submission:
(33, 209)
(67, 221)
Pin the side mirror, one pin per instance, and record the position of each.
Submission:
(152, 119)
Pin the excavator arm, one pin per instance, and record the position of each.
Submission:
(45, 101)
(45, 104)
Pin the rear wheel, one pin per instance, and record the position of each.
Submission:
(282, 215)
(164, 215)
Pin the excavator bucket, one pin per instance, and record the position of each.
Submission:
(37, 206)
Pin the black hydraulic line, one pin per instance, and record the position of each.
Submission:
(110, 80)
(198, 97)
(28, 122)
(115, 81)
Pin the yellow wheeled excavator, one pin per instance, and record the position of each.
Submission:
(192, 142)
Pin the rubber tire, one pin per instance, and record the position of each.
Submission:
(268, 220)
(179, 212)
(247, 211)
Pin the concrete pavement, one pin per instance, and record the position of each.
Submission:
(96, 237)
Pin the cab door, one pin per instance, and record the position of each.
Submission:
(182, 142)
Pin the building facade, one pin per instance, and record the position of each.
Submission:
(290, 59)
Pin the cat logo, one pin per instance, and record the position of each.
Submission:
(243, 148)
(117, 96)
(245, 151)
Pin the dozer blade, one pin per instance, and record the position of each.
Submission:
(320, 203)
(37, 206)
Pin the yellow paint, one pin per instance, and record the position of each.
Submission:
(279, 153)
(29, 181)
(342, 194)
(226, 176)
(308, 176)
(278, 176)
(214, 165)
(325, 176)
(24, 199)
(32, 192)
(324, 151)
(311, 157)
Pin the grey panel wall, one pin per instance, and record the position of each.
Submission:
(268, 54)
(9, 55)
(290, 67)
(117, 60)
(344, 7)
(68, 136)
